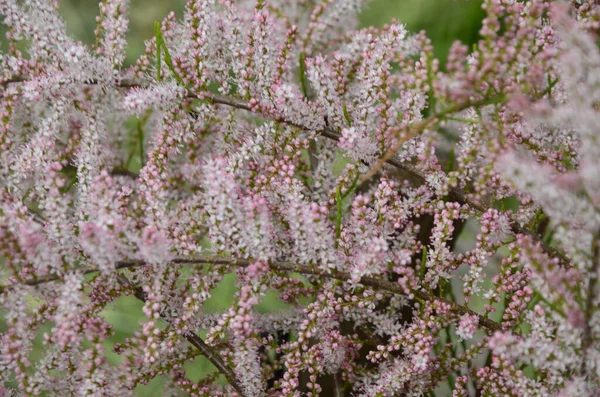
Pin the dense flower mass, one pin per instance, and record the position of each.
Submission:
(429, 229)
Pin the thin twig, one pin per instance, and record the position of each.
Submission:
(419, 127)
(333, 134)
(54, 277)
(376, 283)
(458, 194)
(388, 158)
(207, 351)
(337, 388)
(462, 197)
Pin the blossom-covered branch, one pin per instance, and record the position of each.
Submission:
(328, 132)
(378, 284)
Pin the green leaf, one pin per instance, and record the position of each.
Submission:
(347, 115)
(352, 187)
(338, 219)
(430, 79)
(140, 137)
(451, 160)
(303, 81)
(423, 263)
(339, 200)
(160, 44)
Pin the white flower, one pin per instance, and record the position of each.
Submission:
(75, 53)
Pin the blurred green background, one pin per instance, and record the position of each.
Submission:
(444, 21)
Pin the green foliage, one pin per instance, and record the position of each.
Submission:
(303, 81)
(161, 48)
(444, 21)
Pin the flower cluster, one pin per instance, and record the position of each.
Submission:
(428, 229)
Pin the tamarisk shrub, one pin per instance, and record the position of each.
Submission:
(433, 229)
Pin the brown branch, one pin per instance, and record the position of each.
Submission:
(388, 158)
(196, 341)
(376, 283)
(53, 277)
(11, 80)
(458, 194)
(419, 127)
(462, 197)
(120, 171)
(337, 388)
